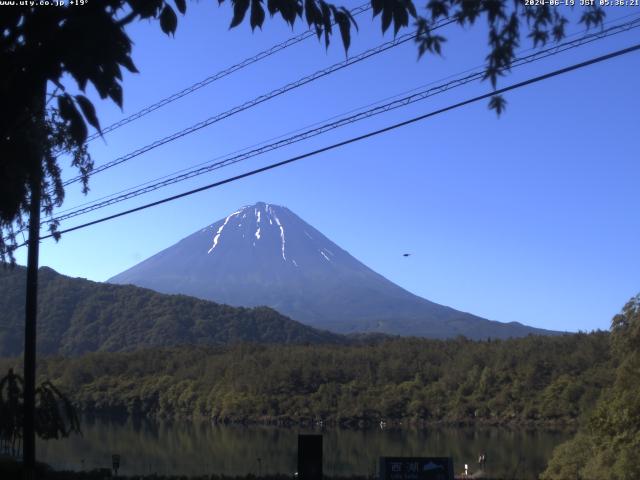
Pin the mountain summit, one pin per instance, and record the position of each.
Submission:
(264, 254)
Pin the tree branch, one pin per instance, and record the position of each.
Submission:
(126, 20)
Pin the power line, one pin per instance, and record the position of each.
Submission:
(355, 11)
(179, 176)
(603, 33)
(303, 135)
(355, 139)
(258, 100)
(219, 75)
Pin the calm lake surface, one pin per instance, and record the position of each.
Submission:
(193, 448)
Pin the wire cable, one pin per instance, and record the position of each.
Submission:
(281, 136)
(355, 11)
(258, 100)
(246, 152)
(217, 76)
(303, 135)
(351, 140)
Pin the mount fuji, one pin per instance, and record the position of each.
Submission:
(264, 254)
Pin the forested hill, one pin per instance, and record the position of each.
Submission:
(529, 380)
(77, 316)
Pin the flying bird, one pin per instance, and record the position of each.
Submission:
(406, 254)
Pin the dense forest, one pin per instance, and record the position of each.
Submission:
(175, 356)
(77, 316)
(529, 380)
(608, 442)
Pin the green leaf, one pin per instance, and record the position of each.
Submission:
(257, 14)
(345, 28)
(593, 17)
(53, 229)
(498, 103)
(168, 20)
(438, 9)
(240, 8)
(400, 18)
(115, 93)
(146, 8)
(273, 6)
(411, 8)
(558, 30)
(289, 10)
(312, 13)
(65, 106)
(377, 6)
(387, 16)
(326, 20)
(127, 63)
(430, 42)
(75, 122)
(350, 17)
(89, 111)
(181, 5)
(539, 36)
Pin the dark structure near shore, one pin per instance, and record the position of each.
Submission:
(310, 457)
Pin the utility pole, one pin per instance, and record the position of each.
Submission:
(31, 309)
(31, 302)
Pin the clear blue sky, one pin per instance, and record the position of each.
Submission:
(532, 217)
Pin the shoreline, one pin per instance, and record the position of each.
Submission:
(12, 470)
(346, 424)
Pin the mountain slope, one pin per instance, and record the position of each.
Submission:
(266, 255)
(77, 316)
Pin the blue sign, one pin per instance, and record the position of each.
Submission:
(416, 468)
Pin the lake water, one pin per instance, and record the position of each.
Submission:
(194, 448)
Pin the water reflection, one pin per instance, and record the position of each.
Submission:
(194, 448)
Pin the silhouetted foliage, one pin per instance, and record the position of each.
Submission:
(35, 53)
(55, 415)
(11, 387)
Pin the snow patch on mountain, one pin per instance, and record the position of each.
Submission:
(275, 217)
(264, 254)
(219, 232)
